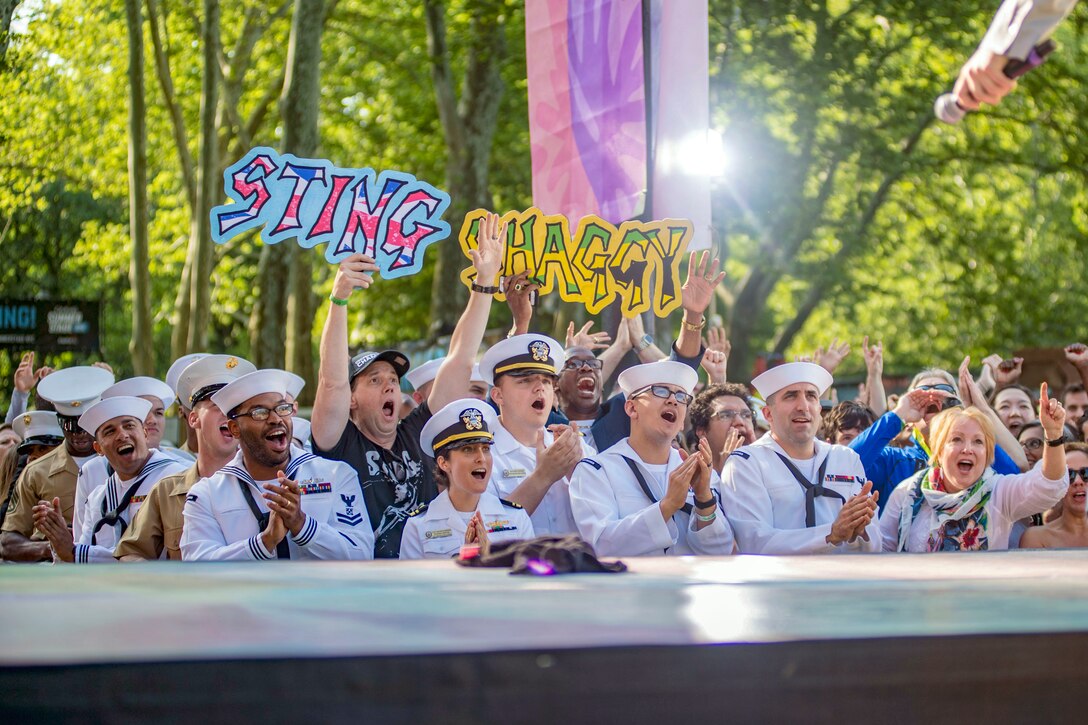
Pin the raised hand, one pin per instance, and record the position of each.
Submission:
(354, 272)
(490, 246)
(1077, 354)
(714, 362)
(1008, 371)
(584, 338)
(519, 298)
(874, 357)
(1051, 414)
(698, 289)
(832, 357)
(913, 405)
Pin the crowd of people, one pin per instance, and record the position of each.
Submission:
(526, 441)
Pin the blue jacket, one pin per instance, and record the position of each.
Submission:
(886, 466)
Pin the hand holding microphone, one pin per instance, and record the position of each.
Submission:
(987, 78)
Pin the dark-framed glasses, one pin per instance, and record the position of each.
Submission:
(660, 391)
(283, 410)
(1032, 444)
(590, 364)
(1082, 472)
(731, 415)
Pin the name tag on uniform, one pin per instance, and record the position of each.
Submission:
(501, 525)
(439, 534)
(513, 473)
(312, 486)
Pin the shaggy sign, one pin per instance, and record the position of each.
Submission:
(391, 216)
(637, 261)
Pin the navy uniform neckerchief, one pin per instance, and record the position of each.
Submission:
(812, 490)
(283, 550)
(112, 516)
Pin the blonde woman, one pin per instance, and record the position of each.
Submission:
(959, 503)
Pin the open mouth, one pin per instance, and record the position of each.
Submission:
(389, 409)
(480, 474)
(801, 420)
(587, 385)
(1080, 496)
(538, 405)
(224, 431)
(277, 439)
(669, 415)
(965, 466)
(933, 409)
(126, 450)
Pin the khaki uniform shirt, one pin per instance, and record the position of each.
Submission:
(51, 476)
(157, 525)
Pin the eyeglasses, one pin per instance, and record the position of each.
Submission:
(1082, 472)
(660, 391)
(1033, 444)
(943, 387)
(283, 410)
(732, 415)
(590, 364)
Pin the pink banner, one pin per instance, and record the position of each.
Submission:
(587, 115)
(681, 100)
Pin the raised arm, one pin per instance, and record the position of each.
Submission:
(697, 292)
(972, 396)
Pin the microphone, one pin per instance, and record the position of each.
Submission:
(948, 110)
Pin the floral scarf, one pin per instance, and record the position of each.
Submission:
(962, 517)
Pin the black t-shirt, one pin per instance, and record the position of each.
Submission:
(394, 481)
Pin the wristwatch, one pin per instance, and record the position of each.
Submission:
(644, 343)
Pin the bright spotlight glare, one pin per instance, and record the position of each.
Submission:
(702, 154)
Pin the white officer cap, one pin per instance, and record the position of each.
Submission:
(458, 424)
(521, 355)
(73, 390)
(38, 427)
(425, 373)
(116, 407)
(788, 374)
(205, 376)
(639, 377)
(178, 367)
(139, 387)
(256, 383)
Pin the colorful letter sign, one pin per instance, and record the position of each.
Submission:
(637, 261)
(392, 216)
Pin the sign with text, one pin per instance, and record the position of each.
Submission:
(636, 262)
(49, 325)
(391, 216)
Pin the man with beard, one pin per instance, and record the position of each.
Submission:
(790, 493)
(156, 528)
(97, 470)
(53, 476)
(117, 424)
(931, 391)
(355, 416)
(273, 500)
(640, 497)
(723, 415)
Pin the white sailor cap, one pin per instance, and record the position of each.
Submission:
(477, 376)
(425, 373)
(116, 407)
(38, 427)
(256, 383)
(300, 429)
(639, 377)
(205, 376)
(783, 376)
(521, 355)
(139, 387)
(73, 390)
(178, 367)
(458, 424)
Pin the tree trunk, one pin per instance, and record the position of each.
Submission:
(299, 111)
(140, 345)
(201, 273)
(469, 128)
(7, 9)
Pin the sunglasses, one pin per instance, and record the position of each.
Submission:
(590, 364)
(69, 423)
(731, 414)
(1082, 472)
(943, 387)
(283, 410)
(660, 391)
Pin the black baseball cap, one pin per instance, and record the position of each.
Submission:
(363, 360)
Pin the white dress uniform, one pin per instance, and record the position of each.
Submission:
(437, 530)
(221, 526)
(97, 547)
(767, 506)
(94, 473)
(512, 462)
(615, 516)
(1013, 497)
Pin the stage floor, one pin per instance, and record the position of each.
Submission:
(790, 618)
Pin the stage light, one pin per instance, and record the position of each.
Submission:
(699, 154)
